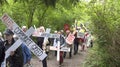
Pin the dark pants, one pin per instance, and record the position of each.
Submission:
(16, 65)
(0, 64)
(76, 48)
(70, 53)
(44, 62)
(91, 44)
(55, 53)
(61, 58)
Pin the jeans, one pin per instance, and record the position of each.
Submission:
(76, 48)
(70, 53)
(44, 62)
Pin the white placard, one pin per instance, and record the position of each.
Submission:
(50, 35)
(80, 35)
(64, 49)
(29, 42)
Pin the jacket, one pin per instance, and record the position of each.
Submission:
(2, 51)
(26, 53)
(17, 58)
(62, 40)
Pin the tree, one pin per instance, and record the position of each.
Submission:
(105, 20)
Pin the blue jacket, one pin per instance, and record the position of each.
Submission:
(26, 53)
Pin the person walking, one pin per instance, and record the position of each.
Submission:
(16, 57)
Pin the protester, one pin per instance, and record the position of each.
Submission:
(68, 45)
(16, 57)
(83, 40)
(62, 43)
(24, 28)
(76, 44)
(42, 45)
(2, 49)
(89, 39)
(55, 43)
(26, 52)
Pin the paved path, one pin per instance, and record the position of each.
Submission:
(75, 61)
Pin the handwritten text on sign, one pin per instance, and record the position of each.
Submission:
(70, 39)
(30, 43)
(80, 35)
(65, 49)
(50, 35)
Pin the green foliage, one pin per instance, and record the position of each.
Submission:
(97, 57)
(106, 26)
(35, 12)
(102, 17)
(50, 2)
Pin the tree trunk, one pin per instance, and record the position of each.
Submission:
(30, 18)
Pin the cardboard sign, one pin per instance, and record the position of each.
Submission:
(69, 40)
(80, 35)
(50, 35)
(64, 49)
(28, 41)
(45, 34)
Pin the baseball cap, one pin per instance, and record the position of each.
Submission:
(8, 32)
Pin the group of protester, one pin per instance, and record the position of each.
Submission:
(22, 55)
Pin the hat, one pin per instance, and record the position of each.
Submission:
(8, 32)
